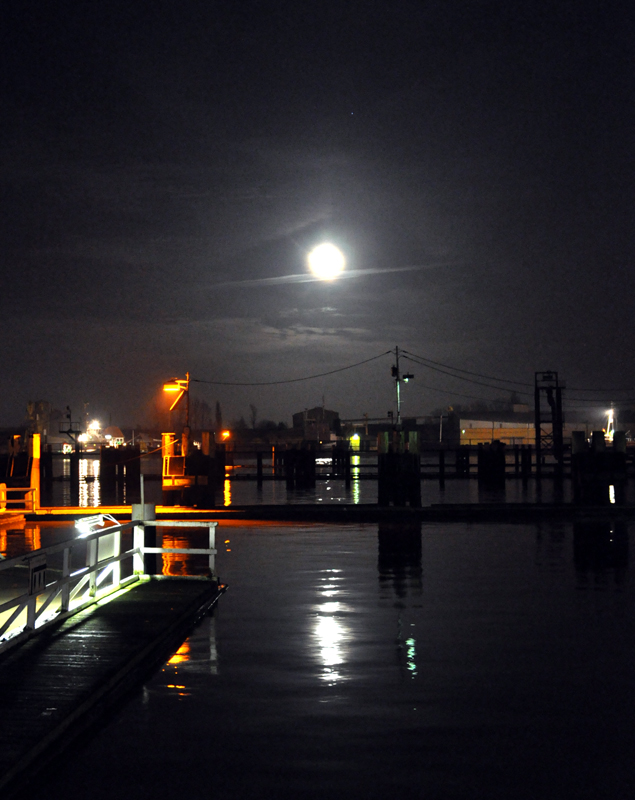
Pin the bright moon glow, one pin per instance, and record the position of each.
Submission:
(326, 262)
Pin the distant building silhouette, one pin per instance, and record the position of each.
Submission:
(317, 423)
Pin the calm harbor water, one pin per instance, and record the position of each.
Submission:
(444, 661)
(240, 491)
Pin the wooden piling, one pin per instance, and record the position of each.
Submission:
(107, 475)
(131, 457)
(491, 464)
(259, 469)
(463, 462)
(399, 479)
(525, 463)
(74, 475)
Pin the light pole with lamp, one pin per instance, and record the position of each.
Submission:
(398, 379)
(181, 387)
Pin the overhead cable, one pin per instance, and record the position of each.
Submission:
(467, 372)
(427, 362)
(461, 378)
(291, 380)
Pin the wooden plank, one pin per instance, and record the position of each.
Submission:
(58, 683)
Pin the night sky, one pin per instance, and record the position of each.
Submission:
(162, 161)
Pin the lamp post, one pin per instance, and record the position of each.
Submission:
(398, 379)
(181, 387)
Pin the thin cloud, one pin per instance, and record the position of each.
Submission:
(307, 278)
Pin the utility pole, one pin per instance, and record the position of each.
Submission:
(396, 374)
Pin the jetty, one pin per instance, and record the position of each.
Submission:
(87, 619)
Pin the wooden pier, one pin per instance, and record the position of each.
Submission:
(61, 681)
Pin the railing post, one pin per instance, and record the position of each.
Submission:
(212, 546)
(91, 562)
(116, 567)
(66, 571)
(137, 540)
(30, 612)
(144, 536)
(37, 583)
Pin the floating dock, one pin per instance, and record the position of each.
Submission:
(59, 682)
(349, 512)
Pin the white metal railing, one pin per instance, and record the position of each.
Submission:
(99, 575)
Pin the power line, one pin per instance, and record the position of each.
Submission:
(467, 372)
(291, 380)
(428, 362)
(461, 378)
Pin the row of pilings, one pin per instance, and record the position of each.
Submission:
(119, 474)
(119, 468)
(599, 474)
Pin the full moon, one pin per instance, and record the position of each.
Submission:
(326, 262)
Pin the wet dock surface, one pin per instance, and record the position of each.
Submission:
(58, 683)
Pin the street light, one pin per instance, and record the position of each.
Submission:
(180, 387)
(396, 374)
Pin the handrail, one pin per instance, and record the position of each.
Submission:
(44, 603)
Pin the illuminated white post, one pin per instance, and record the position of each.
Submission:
(212, 547)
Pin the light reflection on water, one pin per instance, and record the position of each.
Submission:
(456, 661)
(334, 490)
(330, 634)
(89, 486)
(329, 630)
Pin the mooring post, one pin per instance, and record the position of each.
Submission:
(525, 463)
(132, 476)
(47, 466)
(74, 473)
(259, 469)
(107, 475)
(290, 467)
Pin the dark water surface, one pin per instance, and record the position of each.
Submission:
(448, 661)
(240, 491)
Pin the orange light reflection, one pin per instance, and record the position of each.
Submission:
(181, 656)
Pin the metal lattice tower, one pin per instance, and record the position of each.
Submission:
(548, 411)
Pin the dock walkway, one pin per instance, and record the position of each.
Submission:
(58, 683)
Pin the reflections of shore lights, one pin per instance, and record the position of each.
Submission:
(227, 493)
(411, 656)
(355, 471)
(89, 482)
(330, 631)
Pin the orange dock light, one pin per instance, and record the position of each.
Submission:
(182, 387)
(226, 434)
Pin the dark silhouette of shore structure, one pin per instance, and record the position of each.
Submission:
(599, 471)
